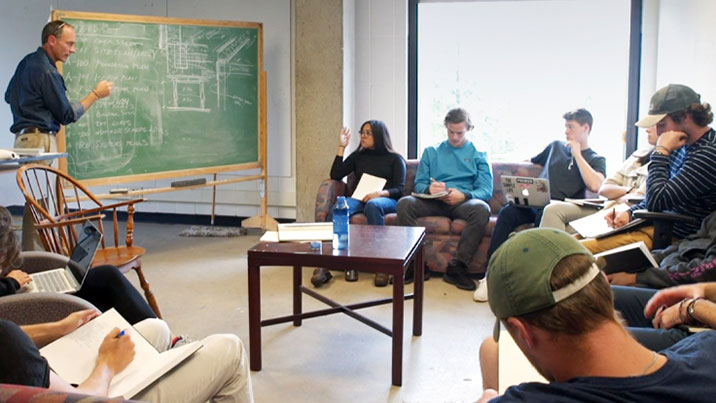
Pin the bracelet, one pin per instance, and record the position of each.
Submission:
(682, 316)
(95, 94)
(690, 310)
(665, 148)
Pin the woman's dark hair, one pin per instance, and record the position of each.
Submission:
(9, 246)
(381, 137)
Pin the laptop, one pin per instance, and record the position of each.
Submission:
(525, 191)
(69, 279)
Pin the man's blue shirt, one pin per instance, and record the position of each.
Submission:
(37, 97)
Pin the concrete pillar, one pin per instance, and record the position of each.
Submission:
(318, 95)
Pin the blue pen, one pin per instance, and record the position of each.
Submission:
(120, 334)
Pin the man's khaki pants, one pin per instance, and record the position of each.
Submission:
(30, 237)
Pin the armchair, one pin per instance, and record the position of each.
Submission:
(663, 225)
(27, 309)
(60, 205)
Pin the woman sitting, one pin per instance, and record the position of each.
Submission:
(374, 156)
(105, 287)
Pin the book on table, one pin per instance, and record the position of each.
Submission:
(312, 231)
(631, 258)
(73, 356)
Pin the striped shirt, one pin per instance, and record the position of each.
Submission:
(684, 183)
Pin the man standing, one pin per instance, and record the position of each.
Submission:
(37, 98)
(463, 174)
(571, 168)
(682, 173)
(558, 307)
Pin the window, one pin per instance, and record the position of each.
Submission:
(517, 66)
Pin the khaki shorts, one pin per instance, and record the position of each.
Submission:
(47, 142)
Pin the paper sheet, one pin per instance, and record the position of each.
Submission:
(73, 356)
(367, 185)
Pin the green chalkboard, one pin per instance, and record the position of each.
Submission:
(186, 98)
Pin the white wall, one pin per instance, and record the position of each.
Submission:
(686, 48)
(381, 41)
(22, 22)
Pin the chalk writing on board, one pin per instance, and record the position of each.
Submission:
(186, 97)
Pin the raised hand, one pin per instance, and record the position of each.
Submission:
(344, 138)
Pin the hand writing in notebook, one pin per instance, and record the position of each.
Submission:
(436, 187)
(617, 219)
(115, 352)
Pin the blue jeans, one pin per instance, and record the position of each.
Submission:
(509, 218)
(375, 210)
(630, 301)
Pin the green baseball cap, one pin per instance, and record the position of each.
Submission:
(670, 99)
(519, 272)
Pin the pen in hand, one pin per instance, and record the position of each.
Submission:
(122, 333)
(614, 217)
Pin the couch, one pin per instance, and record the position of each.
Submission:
(442, 233)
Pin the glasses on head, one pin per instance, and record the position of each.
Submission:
(365, 133)
(58, 29)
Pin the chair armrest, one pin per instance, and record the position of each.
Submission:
(27, 309)
(37, 261)
(664, 216)
(22, 393)
(635, 199)
(326, 198)
(100, 208)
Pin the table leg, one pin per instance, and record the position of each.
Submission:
(297, 295)
(419, 271)
(398, 303)
(254, 317)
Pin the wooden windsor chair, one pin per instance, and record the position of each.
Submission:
(60, 205)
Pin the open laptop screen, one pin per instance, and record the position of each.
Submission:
(84, 251)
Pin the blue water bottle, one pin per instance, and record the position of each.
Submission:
(340, 224)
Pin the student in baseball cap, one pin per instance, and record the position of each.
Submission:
(549, 294)
(682, 175)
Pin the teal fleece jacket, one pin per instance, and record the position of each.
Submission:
(464, 169)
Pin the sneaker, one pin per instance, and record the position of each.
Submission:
(320, 276)
(178, 341)
(456, 274)
(381, 279)
(481, 292)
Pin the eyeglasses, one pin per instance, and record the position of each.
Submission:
(365, 133)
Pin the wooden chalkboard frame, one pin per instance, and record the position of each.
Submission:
(262, 220)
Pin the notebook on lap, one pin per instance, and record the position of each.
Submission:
(67, 279)
(525, 191)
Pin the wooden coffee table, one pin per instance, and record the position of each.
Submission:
(375, 249)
